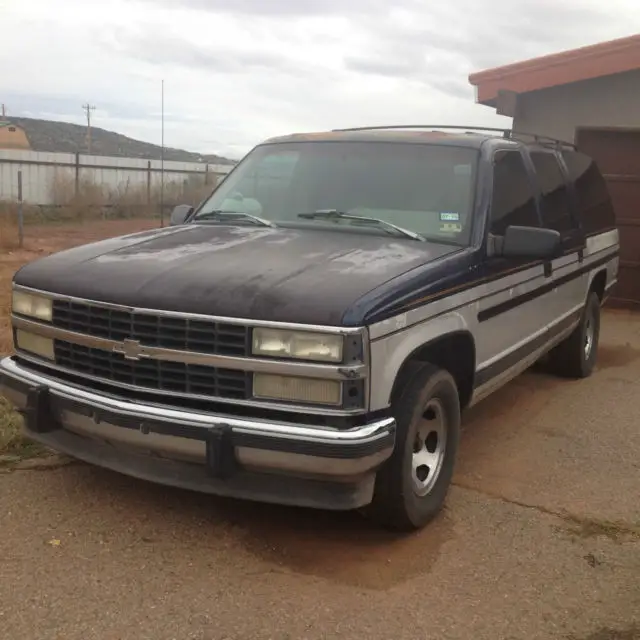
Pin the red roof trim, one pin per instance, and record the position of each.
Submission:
(585, 63)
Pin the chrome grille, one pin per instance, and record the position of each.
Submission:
(161, 375)
(203, 336)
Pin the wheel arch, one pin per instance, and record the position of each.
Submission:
(454, 351)
(598, 284)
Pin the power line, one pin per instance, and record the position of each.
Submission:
(88, 109)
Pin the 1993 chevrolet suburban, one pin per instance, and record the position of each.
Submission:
(310, 333)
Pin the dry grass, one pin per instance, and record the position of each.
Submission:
(41, 241)
(126, 200)
(8, 226)
(13, 445)
(92, 202)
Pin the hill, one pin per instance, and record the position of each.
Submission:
(64, 137)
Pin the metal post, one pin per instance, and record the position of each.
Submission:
(77, 176)
(20, 212)
(149, 208)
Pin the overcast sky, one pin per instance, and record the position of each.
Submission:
(237, 71)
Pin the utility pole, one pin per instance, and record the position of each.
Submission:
(88, 109)
(4, 111)
(162, 156)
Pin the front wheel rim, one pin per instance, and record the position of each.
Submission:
(589, 337)
(429, 447)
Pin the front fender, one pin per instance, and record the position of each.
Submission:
(389, 352)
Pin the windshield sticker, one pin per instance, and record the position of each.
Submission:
(449, 216)
(450, 227)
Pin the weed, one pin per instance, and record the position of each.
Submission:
(583, 527)
(13, 444)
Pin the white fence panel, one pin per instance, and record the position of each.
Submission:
(41, 171)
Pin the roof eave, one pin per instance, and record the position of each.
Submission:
(586, 63)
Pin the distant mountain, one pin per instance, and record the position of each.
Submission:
(64, 137)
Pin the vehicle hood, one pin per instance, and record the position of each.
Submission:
(291, 275)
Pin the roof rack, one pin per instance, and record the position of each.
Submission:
(508, 134)
(542, 140)
(504, 132)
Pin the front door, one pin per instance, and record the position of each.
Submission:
(514, 314)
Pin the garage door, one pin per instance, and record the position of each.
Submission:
(617, 153)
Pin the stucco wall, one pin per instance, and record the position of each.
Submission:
(611, 101)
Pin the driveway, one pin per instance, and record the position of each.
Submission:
(540, 539)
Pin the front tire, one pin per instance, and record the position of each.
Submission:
(576, 356)
(412, 486)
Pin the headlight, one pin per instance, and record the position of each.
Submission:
(302, 345)
(39, 345)
(293, 389)
(27, 304)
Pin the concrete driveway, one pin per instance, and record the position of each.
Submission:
(540, 539)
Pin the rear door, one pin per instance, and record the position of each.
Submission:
(558, 212)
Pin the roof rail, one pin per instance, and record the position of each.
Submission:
(504, 132)
(543, 139)
(509, 134)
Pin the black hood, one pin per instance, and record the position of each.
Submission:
(291, 275)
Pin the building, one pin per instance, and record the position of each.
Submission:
(12, 136)
(589, 96)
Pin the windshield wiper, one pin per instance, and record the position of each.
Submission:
(230, 215)
(334, 214)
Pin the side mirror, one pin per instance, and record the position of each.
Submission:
(530, 242)
(180, 214)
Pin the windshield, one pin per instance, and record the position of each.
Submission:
(426, 189)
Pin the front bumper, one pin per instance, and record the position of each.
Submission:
(263, 460)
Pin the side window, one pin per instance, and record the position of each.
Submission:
(556, 205)
(512, 200)
(592, 194)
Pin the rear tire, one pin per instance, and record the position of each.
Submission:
(411, 487)
(575, 357)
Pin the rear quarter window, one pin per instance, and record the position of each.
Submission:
(592, 193)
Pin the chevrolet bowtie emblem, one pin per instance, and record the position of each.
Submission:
(130, 349)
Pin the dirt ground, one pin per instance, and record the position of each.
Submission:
(42, 240)
(540, 539)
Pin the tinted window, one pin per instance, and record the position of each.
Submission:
(555, 205)
(512, 201)
(427, 188)
(594, 201)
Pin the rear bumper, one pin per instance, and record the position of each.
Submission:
(270, 461)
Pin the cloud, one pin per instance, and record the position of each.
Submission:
(452, 38)
(239, 71)
(279, 8)
(208, 56)
(39, 105)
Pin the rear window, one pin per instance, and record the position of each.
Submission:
(593, 199)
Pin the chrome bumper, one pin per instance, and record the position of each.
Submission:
(202, 451)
